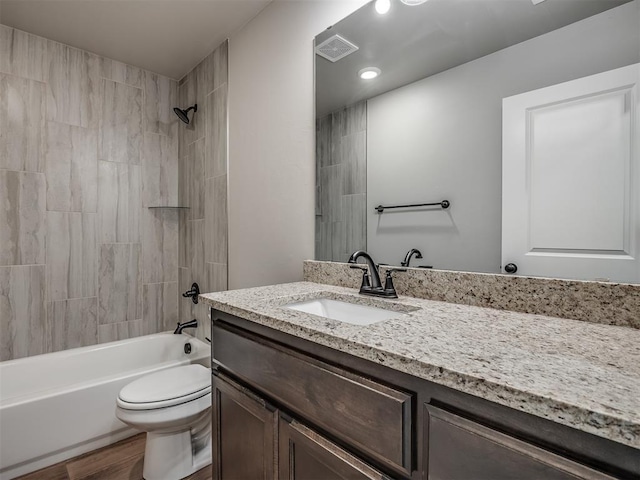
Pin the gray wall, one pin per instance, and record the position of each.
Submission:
(271, 140)
(86, 145)
(203, 185)
(341, 183)
(441, 138)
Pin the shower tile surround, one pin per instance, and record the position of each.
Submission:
(341, 183)
(202, 185)
(87, 144)
(595, 302)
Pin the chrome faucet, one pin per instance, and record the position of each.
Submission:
(410, 253)
(371, 284)
(181, 326)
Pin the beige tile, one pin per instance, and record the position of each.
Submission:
(183, 182)
(71, 255)
(119, 202)
(216, 133)
(353, 119)
(72, 323)
(160, 245)
(355, 222)
(353, 155)
(323, 141)
(196, 179)
(216, 220)
(161, 94)
(71, 166)
(159, 306)
(338, 242)
(120, 138)
(184, 304)
(22, 54)
(121, 72)
(111, 332)
(22, 311)
(22, 111)
(73, 86)
(160, 171)
(331, 191)
(22, 218)
(217, 68)
(119, 283)
(184, 239)
(198, 266)
(217, 277)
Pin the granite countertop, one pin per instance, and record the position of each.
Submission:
(579, 374)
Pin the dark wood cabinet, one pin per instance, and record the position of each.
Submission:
(306, 455)
(244, 433)
(460, 449)
(353, 408)
(286, 408)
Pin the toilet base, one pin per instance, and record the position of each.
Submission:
(175, 455)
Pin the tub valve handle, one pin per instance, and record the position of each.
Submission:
(193, 293)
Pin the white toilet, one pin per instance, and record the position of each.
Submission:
(174, 407)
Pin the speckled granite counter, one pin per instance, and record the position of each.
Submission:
(579, 374)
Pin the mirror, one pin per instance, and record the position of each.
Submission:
(430, 128)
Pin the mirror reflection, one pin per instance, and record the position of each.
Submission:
(522, 114)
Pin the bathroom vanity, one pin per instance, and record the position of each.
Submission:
(438, 391)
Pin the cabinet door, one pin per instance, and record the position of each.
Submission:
(306, 455)
(459, 449)
(244, 433)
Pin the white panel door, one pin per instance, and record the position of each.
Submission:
(571, 179)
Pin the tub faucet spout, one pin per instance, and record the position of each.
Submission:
(181, 326)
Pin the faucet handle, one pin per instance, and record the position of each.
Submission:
(388, 282)
(366, 281)
(391, 270)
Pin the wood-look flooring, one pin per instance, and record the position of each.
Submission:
(120, 461)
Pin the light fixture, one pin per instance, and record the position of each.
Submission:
(382, 6)
(369, 73)
(412, 3)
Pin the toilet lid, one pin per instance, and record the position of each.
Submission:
(174, 385)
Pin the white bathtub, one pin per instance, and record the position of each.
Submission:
(58, 405)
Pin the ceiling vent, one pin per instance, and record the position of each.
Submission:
(335, 48)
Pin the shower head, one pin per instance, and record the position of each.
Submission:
(182, 114)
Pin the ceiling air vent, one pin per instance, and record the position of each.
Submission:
(335, 48)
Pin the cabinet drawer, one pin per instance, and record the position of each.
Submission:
(374, 418)
(305, 454)
(458, 448)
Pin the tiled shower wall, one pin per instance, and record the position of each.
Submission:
(203, 184)
(87, 144)
(341, 183)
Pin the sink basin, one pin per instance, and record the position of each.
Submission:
(343, 311)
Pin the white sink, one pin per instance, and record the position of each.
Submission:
(343, 311)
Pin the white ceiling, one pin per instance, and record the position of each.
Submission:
(169, 37)
(413, 42)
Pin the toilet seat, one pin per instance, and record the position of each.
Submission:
(166, 388)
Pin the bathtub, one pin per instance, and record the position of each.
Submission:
(58, 405)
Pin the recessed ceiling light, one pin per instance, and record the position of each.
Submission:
(382, 6)
(411, 3)
(369, 73)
